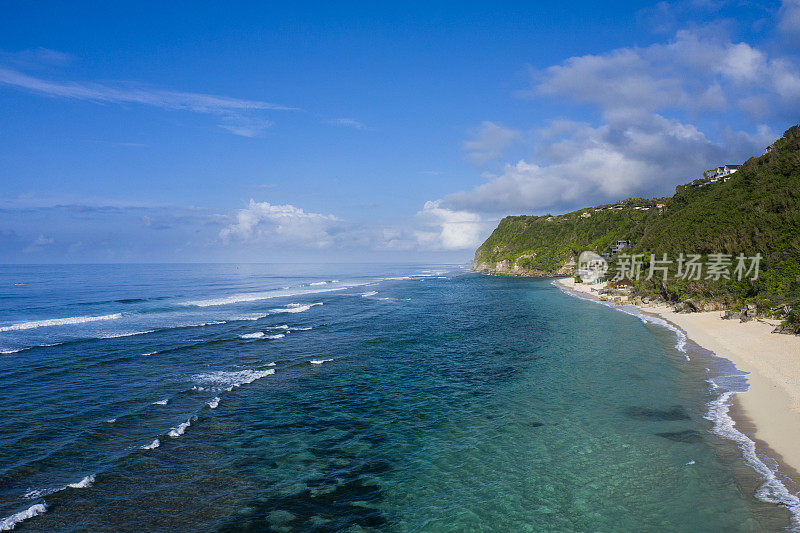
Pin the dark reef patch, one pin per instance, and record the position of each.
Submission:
(676, 412)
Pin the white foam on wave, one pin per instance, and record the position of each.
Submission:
(152, 446)
(256, 335)
(680, 335)
(10, 522)
(234, 378)
(58, 322)
(150, 353)
(282, 326)
(299, 328)
(131, 334)
(82, 484)
(213, 403)
(41, 493)
(772, 490)
(250, 317)
(276, 336)
(368, 294)
(111, 420)
(6, 352)
(258, 296)
(320, 361)
(294, 308)
(161, 402)
(315, 283)
(180, 429)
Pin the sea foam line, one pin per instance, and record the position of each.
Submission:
(233, 379)
(40, 493)
(294, 308)
(772, 490)
(58, 322)
(8, 523)
(258, 296)
(131, 334)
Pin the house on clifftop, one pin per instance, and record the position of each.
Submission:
(720, 173)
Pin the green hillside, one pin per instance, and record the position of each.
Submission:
(756, 211)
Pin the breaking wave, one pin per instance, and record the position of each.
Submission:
(772, 490)
(131, 334)
(258, 296)
(10, 522)
(232, 379)
(58, 322)
(294, 308)
(153, 445)
(180, 429)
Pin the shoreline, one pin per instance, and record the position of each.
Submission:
(767, 414)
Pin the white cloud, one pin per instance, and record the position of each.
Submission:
(281, 224)
(489, 142)
(97, 92)
(691, 72)
(789, 20)
(237, 113)
(245, 126)
(440, 228)
(648, 139)
(631, 155)
(348, 123)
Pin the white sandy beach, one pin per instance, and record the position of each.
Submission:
(772, 403)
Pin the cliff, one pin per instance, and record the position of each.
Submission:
(755, 211)
(549, 245)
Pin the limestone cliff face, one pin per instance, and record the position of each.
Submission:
(516, 267)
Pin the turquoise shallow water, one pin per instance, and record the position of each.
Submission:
(331, 398)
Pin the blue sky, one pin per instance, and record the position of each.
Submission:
(365, 132)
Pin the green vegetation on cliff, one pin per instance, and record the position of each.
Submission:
(543, 244)
(756, 211)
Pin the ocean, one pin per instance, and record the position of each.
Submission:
(356, 398)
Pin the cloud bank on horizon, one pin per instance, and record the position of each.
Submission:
(627, 121)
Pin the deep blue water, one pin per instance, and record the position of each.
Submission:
(351, 398)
